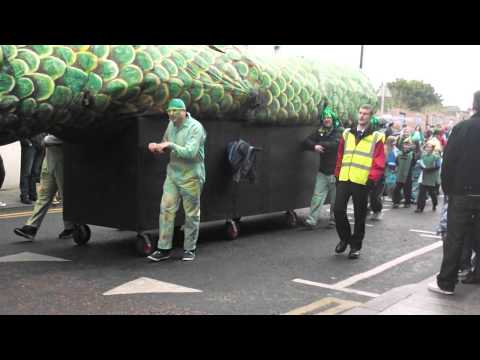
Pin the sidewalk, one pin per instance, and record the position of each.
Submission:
(416, 299)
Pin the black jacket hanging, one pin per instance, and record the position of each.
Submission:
(242, 160)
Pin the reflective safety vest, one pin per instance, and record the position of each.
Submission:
(357, 158)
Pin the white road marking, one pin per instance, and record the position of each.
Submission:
(431, 236)
(145, 285)
(423, 231)
(379, 269)
(353, 223)
(334, 287)
(28, 256)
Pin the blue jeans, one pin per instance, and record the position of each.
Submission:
(31, 166)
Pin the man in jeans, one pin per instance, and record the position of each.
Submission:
(461, 182)
(31, 163)
(325, 142)
(2, 178)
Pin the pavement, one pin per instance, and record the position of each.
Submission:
(416, 299)
(271, 269)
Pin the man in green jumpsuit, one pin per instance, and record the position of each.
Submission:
(51, 181)
(185, 140)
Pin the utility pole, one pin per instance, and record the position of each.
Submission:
(361, 57)
(383, 96)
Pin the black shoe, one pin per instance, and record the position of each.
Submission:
(418, 210)
(434, 208)
(406, 206)
(354, 254)
(26, 231)
(159, 255)
(66, 234)
(471, 279)
(395, 206)
(188, 255)
(341, 247)
(25, 200)
(33, 198)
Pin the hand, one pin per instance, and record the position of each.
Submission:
(152, 147)
(319, 149)
(163, 146)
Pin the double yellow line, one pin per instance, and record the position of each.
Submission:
(325, 306)
(27, 214)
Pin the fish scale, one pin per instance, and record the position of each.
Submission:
(39, 81)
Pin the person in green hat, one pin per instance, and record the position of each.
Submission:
(375, 193)
(184, 140)
(324, 141)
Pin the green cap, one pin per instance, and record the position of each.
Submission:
(176, 104)
(374, 121)
(328, 112)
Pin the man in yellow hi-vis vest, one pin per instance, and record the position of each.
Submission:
(360, 165)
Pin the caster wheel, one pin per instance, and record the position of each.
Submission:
(145, 245)
(291, 218)
(232, 230)
(81, 234)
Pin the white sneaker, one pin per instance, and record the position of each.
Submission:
(3, 204)
(434, 288)
(376, 216)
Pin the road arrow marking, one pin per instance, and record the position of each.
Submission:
(28, 256)
(145, 285)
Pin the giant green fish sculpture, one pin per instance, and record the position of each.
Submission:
(81, 91)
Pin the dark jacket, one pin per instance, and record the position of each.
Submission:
(461, 167)
(242, 159)
(405, 163)
(35, 141)
(329, 139)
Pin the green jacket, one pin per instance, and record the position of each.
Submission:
(187, 155)
(430, 165)
(404, 166)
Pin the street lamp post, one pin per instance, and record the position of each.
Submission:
(361, 57)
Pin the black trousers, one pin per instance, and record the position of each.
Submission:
(422, 196)
(2, 172)
(407, 191)
(467, 251)
(359, 193)
(463, 218)
(375, 196)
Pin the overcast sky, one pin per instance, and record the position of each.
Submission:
(453, 70)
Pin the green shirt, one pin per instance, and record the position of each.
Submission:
(404, 164)
(430, 165)
(187, 154)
